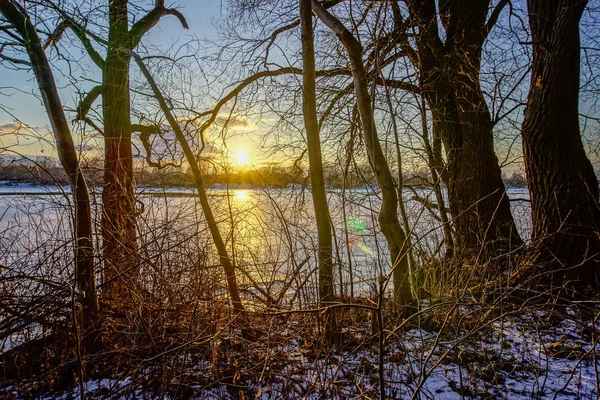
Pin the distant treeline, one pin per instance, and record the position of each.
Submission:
(42, 172)
(49, 172)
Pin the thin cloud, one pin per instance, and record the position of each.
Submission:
(9, 126)
(234, 121)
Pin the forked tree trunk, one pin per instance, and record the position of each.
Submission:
(450, 73)
(562, 182)
(317, 181)
(120, 248)
(119, 239)
(84, 251)
(388, 213)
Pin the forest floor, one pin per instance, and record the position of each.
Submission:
(466, 351)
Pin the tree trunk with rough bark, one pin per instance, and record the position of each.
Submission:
(119, 225)
(119, 236)
(317, 181)
(562, 183)
(450, 77)
(485, 225)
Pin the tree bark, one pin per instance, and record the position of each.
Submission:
(67, 153)
(450, 75)
(119, 236)
(120, 248)
(317, 181)
(484, 205)
(388, 213)
(562, 183)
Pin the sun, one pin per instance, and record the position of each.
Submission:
(242, 157)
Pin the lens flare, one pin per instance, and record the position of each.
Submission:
(354, 223)
(364, 248)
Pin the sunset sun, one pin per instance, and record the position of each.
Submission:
(241, 157)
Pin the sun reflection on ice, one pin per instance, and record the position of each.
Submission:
(241, 195)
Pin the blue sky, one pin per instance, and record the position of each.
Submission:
(17, 87)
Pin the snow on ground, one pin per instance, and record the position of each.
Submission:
(518, 356)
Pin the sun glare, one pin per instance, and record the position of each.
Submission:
(242, 157)
(241, 195)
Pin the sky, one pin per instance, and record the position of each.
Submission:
(17, 88)
(17, 103)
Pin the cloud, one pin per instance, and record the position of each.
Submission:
(9, 126)
(234, 121)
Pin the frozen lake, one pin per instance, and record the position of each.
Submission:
(270, 234)
(262, 227)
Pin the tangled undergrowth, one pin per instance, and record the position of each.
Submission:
(449, 349)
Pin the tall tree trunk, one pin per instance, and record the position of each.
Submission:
(119, 241)
(228, 265)
(562, 183)
(450, 73)
(84, 251)
(388, 213)
(482, 198)
(484, 223)
(120, 249)
(317, 181)
(435, 162)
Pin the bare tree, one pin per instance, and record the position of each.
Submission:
(18, 17)
(118, 199)
(317, 182)
(228, 266)
(449, 67)
(388, 214)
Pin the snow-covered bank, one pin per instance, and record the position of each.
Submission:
(527, 354)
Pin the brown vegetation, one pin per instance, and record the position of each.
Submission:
(376, 246)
